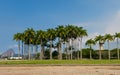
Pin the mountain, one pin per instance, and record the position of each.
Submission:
(8, 53)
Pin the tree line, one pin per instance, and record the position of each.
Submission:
(32, 43)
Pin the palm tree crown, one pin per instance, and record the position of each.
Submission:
(90, 42)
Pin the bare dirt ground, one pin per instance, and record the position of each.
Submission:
(60, 70)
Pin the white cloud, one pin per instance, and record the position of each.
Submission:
(113, 25)
(13, 46)
(107, 24)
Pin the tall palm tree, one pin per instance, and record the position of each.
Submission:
(109, 38)
(60, 33)
(22, 43)
(83, 33)
(79, 29)
(71, 35)
(89, 43)
(35, 43)
(29, 36)
(117, 36)
(65, 40)
(101, 41)
(17, 37)
(41, 36)
(51, 34)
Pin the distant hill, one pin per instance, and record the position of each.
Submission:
(8, 53)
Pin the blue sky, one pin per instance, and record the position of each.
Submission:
(97, 16)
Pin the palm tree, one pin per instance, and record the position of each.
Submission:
(22, 43)
(65, 40)
(29, 35)
(60, 33)
(41, 36)
(71, 35)
(35, 43)
(101, 40)
(51, 34)
(83, 33)
(79, 29)
(17, 37)
(109, 38)
(89, 43)
(117, 36)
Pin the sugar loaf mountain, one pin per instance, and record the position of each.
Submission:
(8, 53)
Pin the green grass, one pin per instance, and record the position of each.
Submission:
(60, 62)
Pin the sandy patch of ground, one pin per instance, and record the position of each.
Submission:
(60, 70)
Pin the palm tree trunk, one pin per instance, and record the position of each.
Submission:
(34, 53)
(60, 51)
(67, 46)
(78, 53)
(71, 53)
(29, 51)
(65, 49)
(100, 51)
(68, 49)
(71, 49)
(22, 49)
(108, 50)
(50, 50)
(81, 49)
(18, 48)
(90, 53)
(41, 52)
(117, 49)
(68, 53)
(36, 49)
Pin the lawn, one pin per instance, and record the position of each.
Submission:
(61, 62)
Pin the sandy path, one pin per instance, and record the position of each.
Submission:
(61, 70)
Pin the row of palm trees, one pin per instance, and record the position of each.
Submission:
(101, 40)
(52, 38)
(59, 36)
